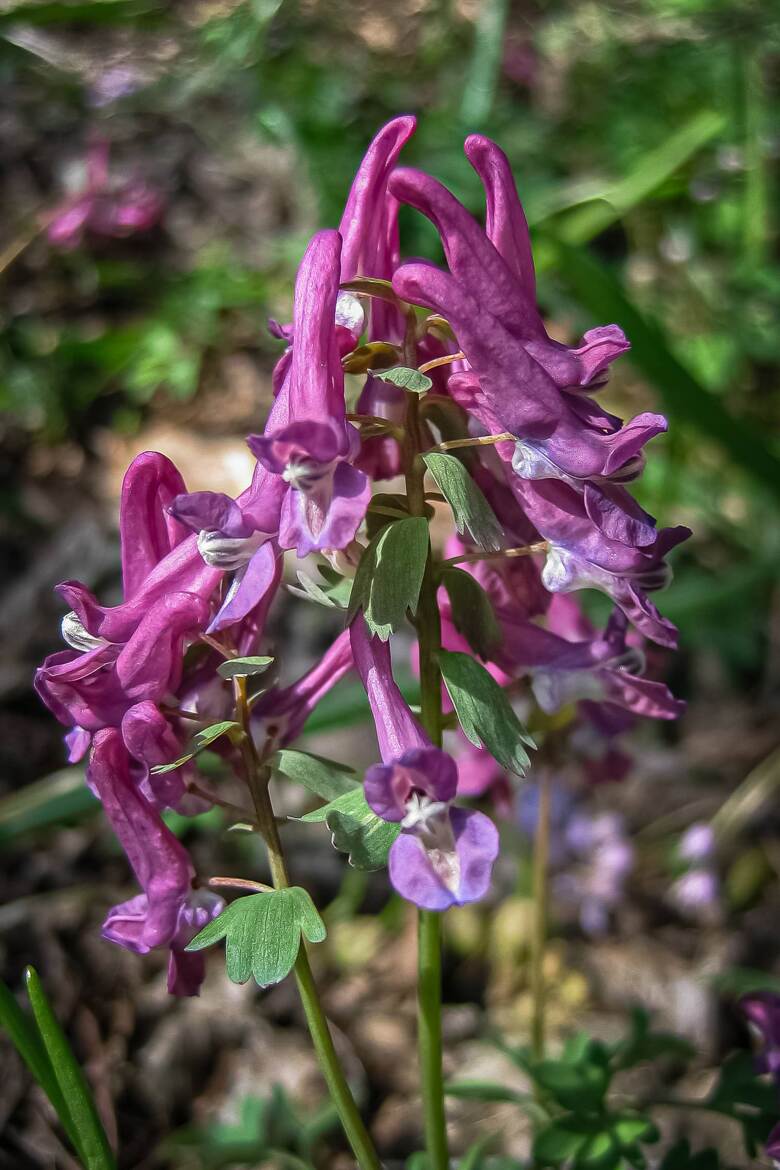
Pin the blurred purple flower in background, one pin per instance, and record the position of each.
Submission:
(104, 207)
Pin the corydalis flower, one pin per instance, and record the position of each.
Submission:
(308, 442)
(443, 855)
(170, 910)
(520, 377)
(238, 537)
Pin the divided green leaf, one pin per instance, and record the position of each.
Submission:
(202, 740)
(472, 611)
(389, 577)
(357, 830)
(470, 509)
(263, 934)
(484, 711)
(334, 594)
(407, 379)
(324, 778)
(243, 667)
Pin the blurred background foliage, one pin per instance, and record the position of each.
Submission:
(643, 136)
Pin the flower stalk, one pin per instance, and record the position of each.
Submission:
(257, 776)
(428, 626)
(539, 931)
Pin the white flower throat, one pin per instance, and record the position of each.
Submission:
(228, 552)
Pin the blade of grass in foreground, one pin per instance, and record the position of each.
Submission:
(25, 1039)
(93, 1143)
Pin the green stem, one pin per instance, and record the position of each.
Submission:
(428, 625)
(429, 1036)
(539, 933)
(256, 775)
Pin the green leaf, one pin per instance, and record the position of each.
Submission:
(27, 1041)
(263, 934)
(601, 1151)
(470, 509)
(484, 712)
(483, 1091)
(600, 292)
(93, 1143)
(389, 577)
(557, 1143)
(407, 379)
(323, 777)
(574, 1086)
(333, 595)
(472, 611)
(202, 740)
(643, 1044)
(357, 830)
(628, 1130)
(244, 667)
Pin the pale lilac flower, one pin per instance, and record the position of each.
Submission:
(443, 855)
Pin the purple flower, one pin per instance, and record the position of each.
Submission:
(520, 376)
(151, 740)
(580, 556)
(600, 669)
(518, 380)
(169, 909)
(308, 442)
(107, 210)
(237, 536)
(158, 558)
(93, 689)
(697, 843)
(443, 855)
(773, 1145)
(762, 1011)
(696, 892)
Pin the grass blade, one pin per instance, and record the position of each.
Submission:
(482, 78)
(587, 221)
(25, 1039)
(93, 1143)
(61, 798)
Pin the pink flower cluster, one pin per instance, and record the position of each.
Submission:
(202, 570)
